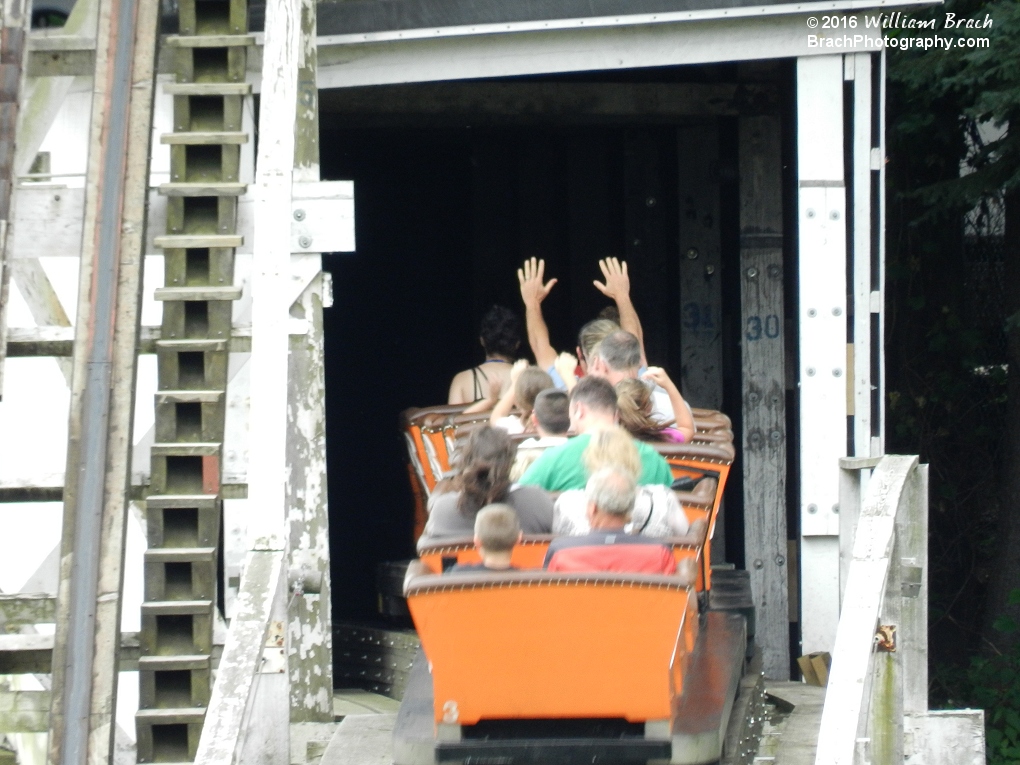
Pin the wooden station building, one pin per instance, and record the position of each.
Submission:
(731, 151)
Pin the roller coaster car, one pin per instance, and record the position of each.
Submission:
(541, 668)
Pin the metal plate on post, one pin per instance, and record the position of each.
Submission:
(322, 218)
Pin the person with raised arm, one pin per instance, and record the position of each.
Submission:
(534, 290)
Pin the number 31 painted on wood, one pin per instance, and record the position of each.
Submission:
(756, 328)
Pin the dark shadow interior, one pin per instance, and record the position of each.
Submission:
(447, 207)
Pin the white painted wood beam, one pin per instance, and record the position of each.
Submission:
(274, 171)
(863, 277)
(823, 326)
(579, 49)
(878, 300)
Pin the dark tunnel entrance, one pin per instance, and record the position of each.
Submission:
(447, 208)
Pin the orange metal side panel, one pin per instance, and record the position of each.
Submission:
(693, 468)
(541, 651)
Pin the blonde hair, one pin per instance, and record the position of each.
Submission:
(530, 383)
(634, 401)
(497, 527)
(612, 448)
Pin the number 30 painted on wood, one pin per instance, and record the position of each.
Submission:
(756, 328)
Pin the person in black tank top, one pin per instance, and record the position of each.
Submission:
(500, 338)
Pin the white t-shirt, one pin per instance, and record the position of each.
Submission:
(530, 450)
(511, 425)
(657, 513)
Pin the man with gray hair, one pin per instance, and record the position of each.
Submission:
(610, 493)
(619, 357)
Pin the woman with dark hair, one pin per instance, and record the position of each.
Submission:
(500, 337)
(484, 478)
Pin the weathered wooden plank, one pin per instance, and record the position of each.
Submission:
(865, 598)
(24, 711)
(31, 654)
(309, 624)
(205, 138)
(912, 538)
(822, 327)
(47, 222)
(87, 639)
(202, 189)
(27, 608)
(45, 95)
(60, 55)
(207, 88)
(5, 291)
(59, 341)
(274, 172)
(209, 41)
(946, 737)
(700, 265)
(223, 735)
(541, 51)
(764, 409)
(179, 241)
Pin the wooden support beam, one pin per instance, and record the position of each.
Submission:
(858, 670)
(59, 341)
(51, 489)
(700, 265)
(822, 326)
(15, 23)
(764, 394)
(32, 654)
(310, 634)
(42, 300)
(24, 711)
(26, 608)
(223, 735)
(526, 102)
(45, 95)
(60, 55)
(87, 640)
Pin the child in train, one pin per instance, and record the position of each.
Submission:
(550, 418)
(526, 382)
(497, 530)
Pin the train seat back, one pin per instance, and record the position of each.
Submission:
(438, 556)
(530, 552)
(540, 645)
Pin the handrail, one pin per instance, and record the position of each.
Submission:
(878, 671)
(227, 718)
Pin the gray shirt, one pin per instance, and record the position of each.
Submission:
(533, 506)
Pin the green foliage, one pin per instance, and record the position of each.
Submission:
(975, 85)
(991, 683)
(947, 350)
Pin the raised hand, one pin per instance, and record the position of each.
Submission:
(566, 364)
(658, 376)
(533, 291)
(617, 284)
(515, 371)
